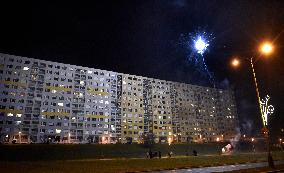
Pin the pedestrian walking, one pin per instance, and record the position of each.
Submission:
(194, 152)
(150, 154)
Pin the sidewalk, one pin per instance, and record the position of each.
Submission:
(221, 168)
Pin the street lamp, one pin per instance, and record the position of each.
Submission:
(265, 109)
(266, 48)
(235, 62)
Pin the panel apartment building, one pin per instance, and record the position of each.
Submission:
(44, 101)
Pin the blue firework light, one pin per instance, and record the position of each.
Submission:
(196, 45)
(200, 45)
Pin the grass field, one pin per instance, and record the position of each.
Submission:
(129, 165)
(116, 157)
(38, 152)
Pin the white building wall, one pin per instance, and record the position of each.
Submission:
(44, 101)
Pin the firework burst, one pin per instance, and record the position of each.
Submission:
(196, 45)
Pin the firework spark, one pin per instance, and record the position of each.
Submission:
(196, 45)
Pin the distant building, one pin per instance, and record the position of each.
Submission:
(43, 101)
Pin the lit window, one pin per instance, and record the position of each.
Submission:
(26, 68)
(82, 83)
(123, 82)
(18, 115)
(9, 114)
(18, 122)
(53, 91)
(57, 131)
(60, 104)
(90, 72)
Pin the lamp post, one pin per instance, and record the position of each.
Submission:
(69, 134)
(20, 138)
(265, 109)
(253, 147)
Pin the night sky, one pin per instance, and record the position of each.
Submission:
(141, 38)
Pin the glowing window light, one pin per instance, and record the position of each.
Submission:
(60, 104)
(9, 114)
(57, 131)
(26, 68)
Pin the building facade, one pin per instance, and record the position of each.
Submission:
(43, 101)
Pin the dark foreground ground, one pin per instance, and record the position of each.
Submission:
(130, 165)
(37, 152)
(118, 158)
